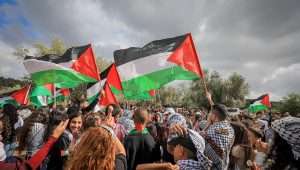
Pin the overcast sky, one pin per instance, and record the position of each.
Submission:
(259, 39)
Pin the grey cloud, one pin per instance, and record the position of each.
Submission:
(253, 38)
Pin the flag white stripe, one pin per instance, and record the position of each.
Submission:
(144, 66)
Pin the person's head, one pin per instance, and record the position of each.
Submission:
(182, 148)
(157, 117)
(38, 116)
(113, 110)
(11, 111)
(75, 121)
(92, 120)
(94, 151)
(218, 113)
(55, 117)
(140, 116)
(286, 147)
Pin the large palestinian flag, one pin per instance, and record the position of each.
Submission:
(76, 66)
(17, 97)
(260, 104)
(156, 64)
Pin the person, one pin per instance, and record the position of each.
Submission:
(139, 144)
(13, 121)
(98, 149)
(113, 113)
(284, 153)
(241, 149)
(126, 121)
(31, 136)
(59, 152)
(186, 145)
(219, 137)
(2, 150)
(35, 161)
(92, 120)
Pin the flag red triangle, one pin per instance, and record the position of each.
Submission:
(266, 100)
(186, 56)
(65, 92)
(21, 96)
(107, 97)
(50, 87)
(152, 93)
(86, 64)
(113, 78)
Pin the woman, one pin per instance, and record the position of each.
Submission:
(32, 135)
(284, 153)
(241, 150)
(97, 150)
(57, 154)
(13, 121)
(35, 161)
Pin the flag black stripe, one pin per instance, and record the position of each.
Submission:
(158, 46)
(71, 54)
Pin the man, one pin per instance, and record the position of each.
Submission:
(139, 144)
(219, 137)
(187, 149)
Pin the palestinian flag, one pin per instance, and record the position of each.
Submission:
(107, 96)
(148, 95)
(60, 96)
(77, 65)
(157, 63)
(17, 97)
(43, 95)
(112, 77)
(83, 61)
(260, 104)
(93, 91)
(40, 95)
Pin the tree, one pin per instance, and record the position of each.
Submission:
(57, 47)
(231, 91)
(291, 104)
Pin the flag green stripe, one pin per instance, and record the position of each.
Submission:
(40, 91)
(67, 78)
(156, 79)
(256, 108)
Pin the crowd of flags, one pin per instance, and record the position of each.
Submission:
(136, 73)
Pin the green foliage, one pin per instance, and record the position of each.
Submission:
(231, 91)
(291, 104)
(57, 47)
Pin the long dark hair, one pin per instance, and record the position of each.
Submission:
(38, 116)
(282, 155)
(241, 138)
(56, 116)
(73, 112)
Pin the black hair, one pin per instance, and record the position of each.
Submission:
(221, 111)
(38, 116)
(11, 111)
(56, 116)
(282, 155)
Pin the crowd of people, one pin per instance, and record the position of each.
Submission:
(146, 138)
